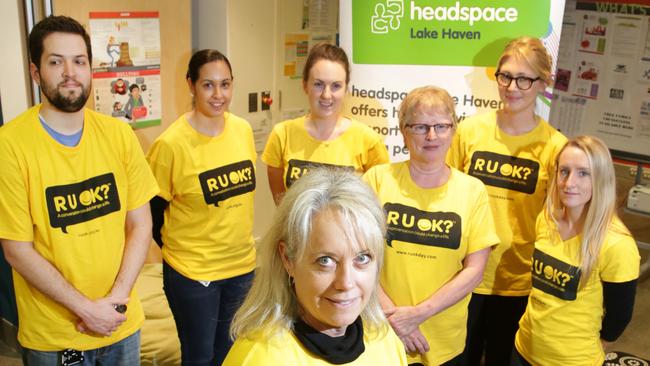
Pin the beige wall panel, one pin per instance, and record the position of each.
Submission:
(14, 79)
(175, 44)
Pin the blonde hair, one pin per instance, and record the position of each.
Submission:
(601, 209)
(425, 98)
(271, 305)
(532, 51)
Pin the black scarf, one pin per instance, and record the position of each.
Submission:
(335, 350)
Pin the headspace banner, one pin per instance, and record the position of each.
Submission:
(398, 45)
(445, 32)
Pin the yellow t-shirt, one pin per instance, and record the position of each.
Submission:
(210, 185)
(561, 325)
(516, 171)
(71, 202)
(430, 232)
(293, 149)
(286, 349)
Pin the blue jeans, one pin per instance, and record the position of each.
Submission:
(123, 353)
(203, 314)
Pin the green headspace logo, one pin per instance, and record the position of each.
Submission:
(442, 32)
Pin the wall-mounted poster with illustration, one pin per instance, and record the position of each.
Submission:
(126, 66)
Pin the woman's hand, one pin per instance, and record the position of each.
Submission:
(405, 319)
(415, 342)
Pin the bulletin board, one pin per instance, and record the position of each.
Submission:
(602, 83)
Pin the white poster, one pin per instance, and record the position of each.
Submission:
(604, 89)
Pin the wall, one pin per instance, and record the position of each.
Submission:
(15, 88)
(245, 32)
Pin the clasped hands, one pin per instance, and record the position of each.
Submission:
(99, 317)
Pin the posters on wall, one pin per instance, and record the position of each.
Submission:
(126, 66)
(319, 15)
(398, 45)
(603, 75)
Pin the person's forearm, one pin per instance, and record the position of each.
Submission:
(384, 300)
(42, 275)
(138, 240)
(458, 287)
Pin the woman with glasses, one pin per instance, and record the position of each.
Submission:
(324, 137)
(440, 229)
(585, 264)
(512, 151)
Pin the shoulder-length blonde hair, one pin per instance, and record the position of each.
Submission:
(532, 51)
(271, 304)
(601, 209)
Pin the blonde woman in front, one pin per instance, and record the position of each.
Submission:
(585, 265)
(314, 297)
(512, 151)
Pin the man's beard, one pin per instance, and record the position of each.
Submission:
(64, 103)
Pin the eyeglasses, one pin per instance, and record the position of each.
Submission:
(441, 129)
(523, 82)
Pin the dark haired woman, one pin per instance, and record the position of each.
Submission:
(205, 166)
(324, 137)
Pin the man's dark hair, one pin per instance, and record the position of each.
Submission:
(51, 25)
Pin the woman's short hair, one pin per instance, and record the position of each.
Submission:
(201, 58)
(330, 52)
(426, 98)
(601, 209)
(532, 51)
(271, 305)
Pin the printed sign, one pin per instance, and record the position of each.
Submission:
(71, 204)
(555, 277)
(227, 181)
(505, 171)
(410, 225)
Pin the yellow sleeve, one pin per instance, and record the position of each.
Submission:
(370, 177)
(456, 153)
(272, 155)
(620, 261)
(16, 222)
(377, 154)
(482, 232)
(251, 144)
(142, 184)
(558, 140)
(161, 160)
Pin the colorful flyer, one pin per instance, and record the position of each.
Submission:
(126, 66)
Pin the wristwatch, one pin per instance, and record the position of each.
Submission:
(120, 308)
